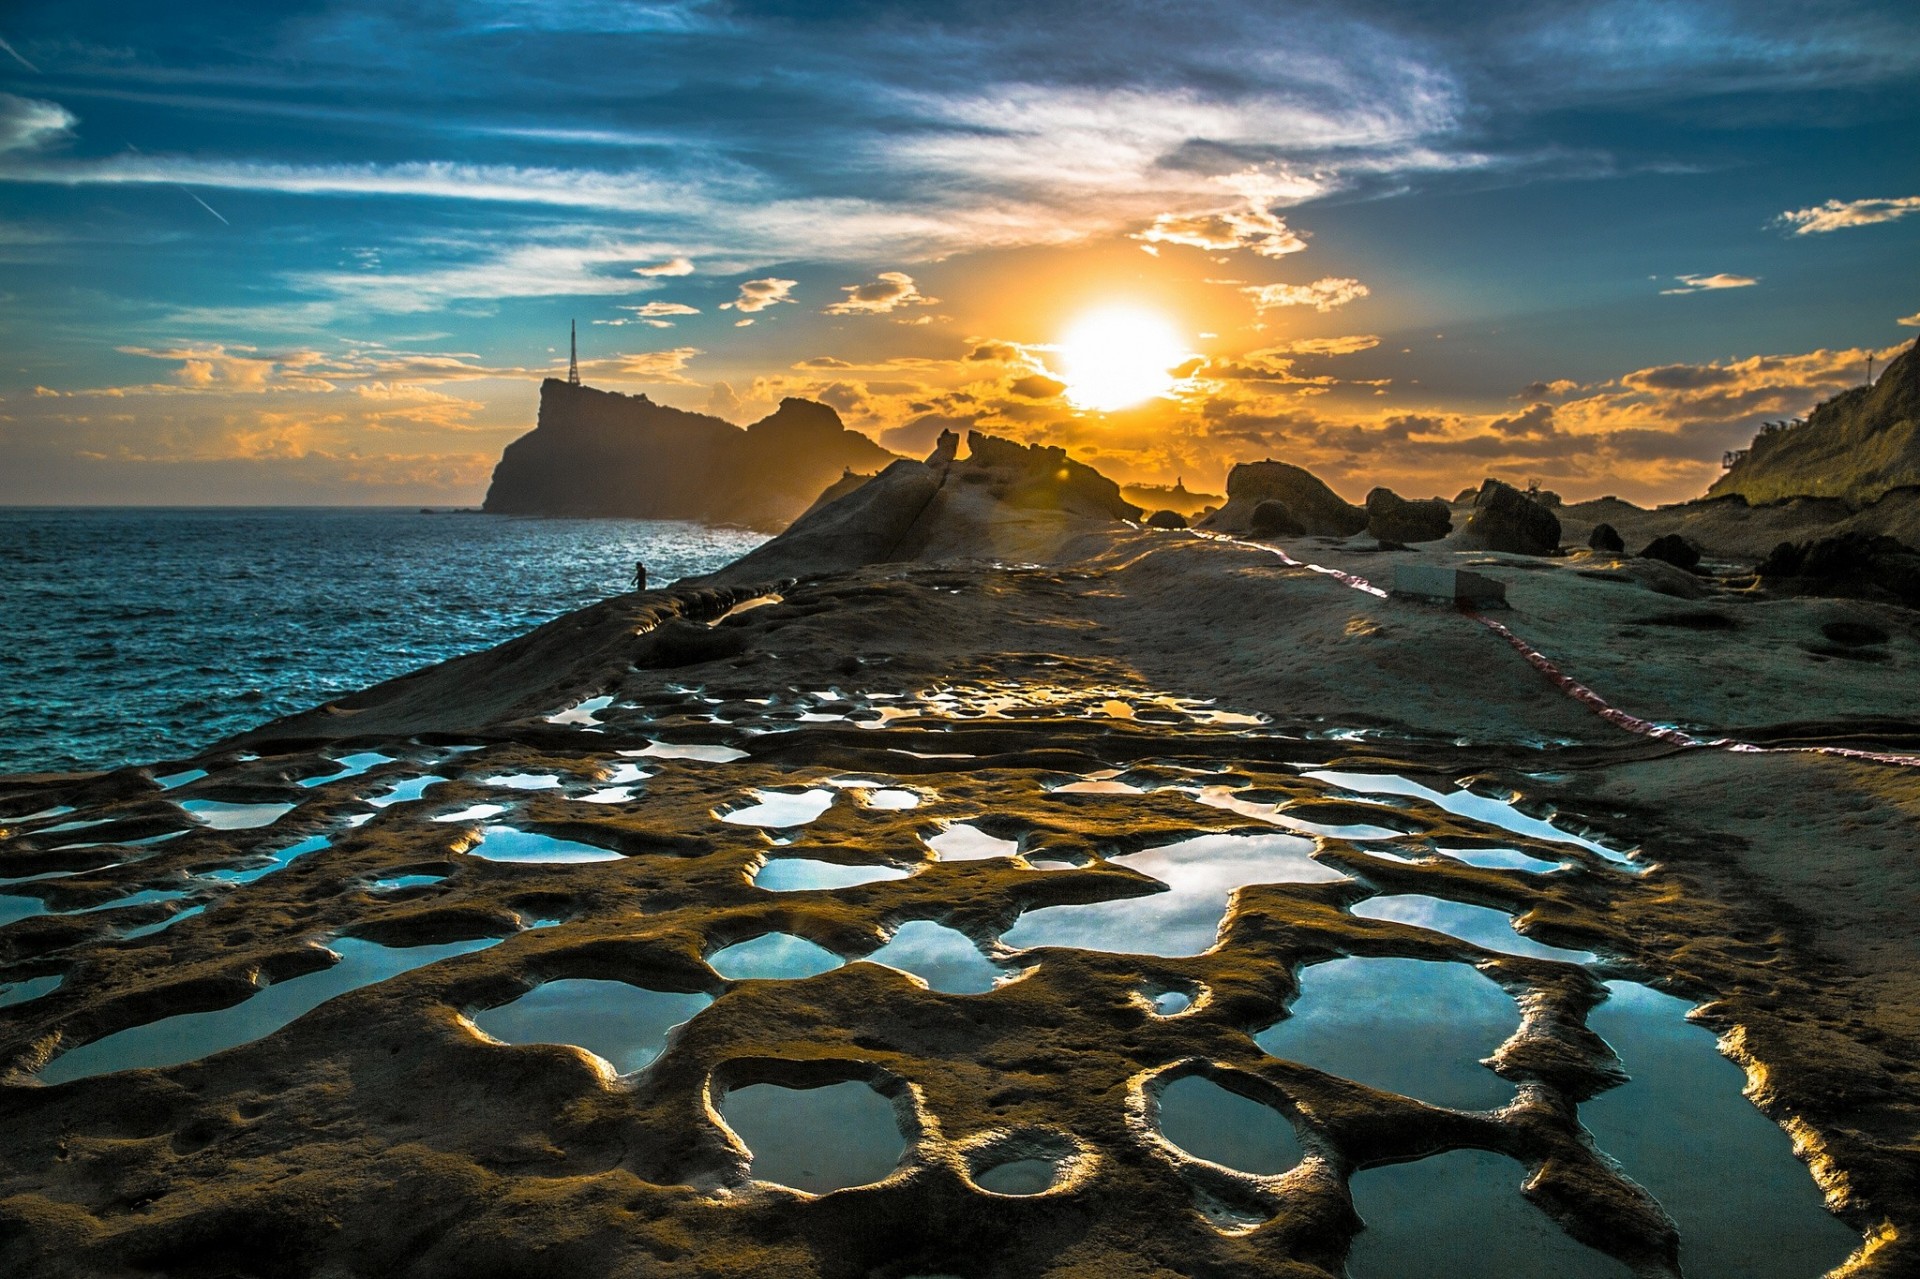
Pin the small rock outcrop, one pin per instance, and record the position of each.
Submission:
(1853, 565)
(1273, 518)
(1317, 509)
(1673, 549)
(1166, 519)
(1505, 519)
(596, 452)
(1393, 518)
(1605, 537)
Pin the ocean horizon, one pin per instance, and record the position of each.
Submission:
(141, 633)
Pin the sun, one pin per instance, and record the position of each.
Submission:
(1118, 356)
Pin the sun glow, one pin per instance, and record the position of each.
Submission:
(1118, 356)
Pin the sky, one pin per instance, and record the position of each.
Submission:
(324, 252)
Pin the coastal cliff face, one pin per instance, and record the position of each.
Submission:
(1857, 447)
(601, 453)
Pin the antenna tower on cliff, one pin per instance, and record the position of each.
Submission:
(573, 352)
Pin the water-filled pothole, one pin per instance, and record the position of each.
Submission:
(1201, 874)
(964, 842)
(221, 816)
(523, 781)
(1224, 797)
(350, 766)
(781, 809)
(582, 714)
(693, 751)
(507, 844)
(1724, 1172)
(1220, 1126)
(405, 792)
(14, 906)
(816, 1139)
(1411, 1026)
(774, 956)
(1019, 1177)
(20, 992)
(1482, 925)
(277, 861)
(395, 883)
(802, 874)
(173, 781)
(1500, 859)
(1460, 1215)
(473, 813)
(944, 958)
(1466, 803)
(625, 1025)
(191, 1036)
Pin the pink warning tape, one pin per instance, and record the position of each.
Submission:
(1599, 705)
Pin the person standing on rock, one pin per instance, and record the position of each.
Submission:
(639, 575)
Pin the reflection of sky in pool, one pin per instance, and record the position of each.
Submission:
(20, 992)
(191, 1036)
(962, 842)
(505, 844)
(1464, 803)
(1460, 1215)
(796, 874)
(1724, 1172)
(473, 813)
(780, 809)
(1409, 1026)
(1222, 797)
(350, 766)
(706, 754)
(944, 958)
(405, 792)
(1222, 1127)
(277, 862)
(1481, 925)
(816, 1139)
(1201, 873)
(780, 956)
(221, 816)
(625, 1025)
(174, 780)
(582, 715)
(1019, 1177)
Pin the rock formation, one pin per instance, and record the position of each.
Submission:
(1272, 518)
(1605, 537)
(1505, 519)
(1673, 549)
(1856, 565)
(1319, 510)
(1393, 518)
(1857, 446)
(600, 453)
(1167, 520)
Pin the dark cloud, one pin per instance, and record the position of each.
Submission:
(1037, 386)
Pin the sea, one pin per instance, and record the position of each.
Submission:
(140, 634)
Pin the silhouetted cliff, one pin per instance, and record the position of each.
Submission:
(1856, 446)
(600, 453)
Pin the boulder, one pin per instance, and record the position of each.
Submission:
(1166, 519)
(1605, 537)
(1316, 509)
(1272, 518)
(1393, 518)
(1674, 550)
(1505, 519)
(1853, 565)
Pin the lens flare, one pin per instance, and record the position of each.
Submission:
(1119, 356)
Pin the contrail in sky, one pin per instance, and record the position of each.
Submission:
(184, 191)
(15, 55)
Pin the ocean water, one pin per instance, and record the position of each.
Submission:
(136, 634)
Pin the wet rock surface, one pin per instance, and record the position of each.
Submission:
(1086, 723)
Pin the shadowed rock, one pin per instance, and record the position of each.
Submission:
(1318, 510)
(1166, 519)
(1606, 538)
(1393, 518)
(1505, 519)
(1856, 565)
(1273, 518)
(1674, 550)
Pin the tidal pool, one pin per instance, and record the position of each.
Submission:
(1412, 1026)
(20, 992)
(816, 1139)
(473, 813)
(944, 958)
(626, 1026)
(191, 1036)
(781, 809)
(350, 766)
(1483, 926)
(173, 781)
(506, 844)
(1460, 1215)
(583, 714)
(799, 874)
(773, 956)
(1171, 1003)
(524, 781)
(1212, 1123)
(15, 907)
(1466, 803)
(1019, 1177)
(1500, 859)
(405, 792)
(1223, 797)
(161, 925)
(1200, 873)
(962, 842)
(234, 816)
(278, 861)
(394, 883)
(694, 751)
(1724, 1172)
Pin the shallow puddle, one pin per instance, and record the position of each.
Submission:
(1461, 1216)
(1223, 797)
(14, 907)
(406, 792)
(350, 766)
(627, 1026)
(583, 714)
(394, 883)
(20, 992)
(1724, 1172)
(1107, 787)
(1500, 859)
(773, 956)
(944, 958)
(279, 862)
(1222, 1127)
(173, 781)
(191, 1036)
(1171, 1003)
(800, 874)
(506, 844)
(234, 816)
(1482, 925)
(962, 842)
(1201, 874)
(1410, 1026)
(816, 1139)
(1019, 1177)
(523, 781)
(1466, 803)
(705, 754)
(160, 926)
(473, 813)
(780, 810)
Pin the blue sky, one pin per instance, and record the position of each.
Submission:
(324, 252)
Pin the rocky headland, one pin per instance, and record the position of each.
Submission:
(1145, 789)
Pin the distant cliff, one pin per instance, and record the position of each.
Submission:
(1856, 446)
(600, 453)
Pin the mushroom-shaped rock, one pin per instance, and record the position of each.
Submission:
(1393, 518)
